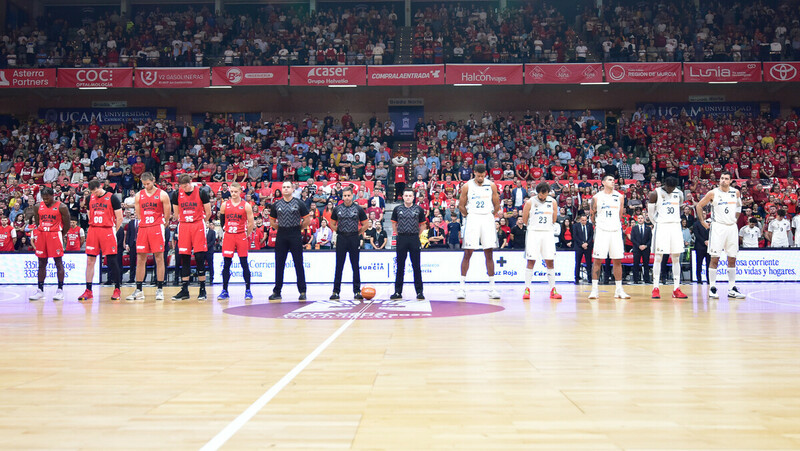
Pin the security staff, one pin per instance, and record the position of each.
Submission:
(349, 221)
(408, 220)
(289, 216)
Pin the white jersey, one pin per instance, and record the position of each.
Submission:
(725, 206)
(479, 198)
(541, 214)
(780, 232)
(668, 206)
(796, 226)
(608, 206)
(750, 236)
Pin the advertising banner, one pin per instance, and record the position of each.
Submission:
(721, 72)
(103, 77)
(328, 75)
(783, 71)
(106, 116)
(422, 74)
(27, 78)
(563, 73)
(250, 76)
(643, 72)
(760, 265)
(484, 74)
(24, 268)
(697, 109)
(405, 119)
(172, 77)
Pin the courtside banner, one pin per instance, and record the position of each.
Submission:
(328, 76)
(721, 72)
(484, 74)
(250, 76)
(101, 77)
(27, 78)
(423, 74)
(643, 72)
(23, 269)
(563, 73)
(783, 71)
(172, 77)
(759, 265)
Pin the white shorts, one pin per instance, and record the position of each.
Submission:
(608, 244)
(479, 232)
(667, 239)
(540, 245)
(723, 239)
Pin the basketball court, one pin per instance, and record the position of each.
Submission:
(381, 374)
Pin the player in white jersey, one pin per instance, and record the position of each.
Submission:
(606, 215)
(664, 208)
(539, 214)
(796, 227)
(750, 234)
(479, 203)
(778, 230)
(723, 238)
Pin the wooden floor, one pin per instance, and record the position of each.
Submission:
(536, 375)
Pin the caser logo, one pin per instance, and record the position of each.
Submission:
(323, 71)
(783, 72)
(616, 72)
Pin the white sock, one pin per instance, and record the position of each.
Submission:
(528, 277)
(551, 278)
(712, 277)
(463, 284)
(731, 276)
(594, 284)
(619, 285)
(657, 270)
(491, 282)
(676, 271)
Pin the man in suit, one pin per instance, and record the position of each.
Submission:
(641, 237)
(583, 240)
(129, 238)
(700, 250)
(211, 240)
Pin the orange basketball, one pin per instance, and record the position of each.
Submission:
(368, 293)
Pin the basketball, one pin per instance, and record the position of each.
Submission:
(368, 293)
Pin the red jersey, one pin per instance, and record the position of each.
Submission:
(151, 208)
(73, 239)
(101, 212)
(190, 207)
(50, 217)
(235, 217)
(255, 237)
(6, 240)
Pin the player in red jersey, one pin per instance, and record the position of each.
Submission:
(153, 210)
(194, 210)
(105, 219)
(74, 236)
(8, 235)
(52, 217)
(236, 217)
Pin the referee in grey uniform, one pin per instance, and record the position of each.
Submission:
(349, 221)
(289, 216)
(407, 220)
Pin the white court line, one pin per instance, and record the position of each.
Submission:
(234, 426)
(757, 299)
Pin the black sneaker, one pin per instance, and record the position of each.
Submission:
(420, 296)
(357, 296)
(181, 295)
(334, 296)
(396, 296)
(202, 295)
(275, 297)
(302, 296)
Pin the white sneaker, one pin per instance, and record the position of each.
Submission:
(159, 294)
(137, 295)
(734, 293)
(493, 294)
(621, 294)
(38, 296)
(59, 296)
(594, 295)
(461, 294)
(712, 293)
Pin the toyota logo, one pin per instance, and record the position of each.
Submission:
(783, 72)
(616, 72)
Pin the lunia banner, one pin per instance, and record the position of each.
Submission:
(721, 72)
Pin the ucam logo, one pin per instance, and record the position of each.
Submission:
(783, 72)
(616, 72)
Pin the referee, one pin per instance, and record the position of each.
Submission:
(289, 216)
(407, 220)
(349, 221)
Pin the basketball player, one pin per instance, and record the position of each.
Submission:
(606, 213)
(540, 213)
(349, 221)
(236, 220)
(194, 209)
(8, 235)
(75, 237)
(105, 219)
(153, 210)
(664, 208)
(479, 203)
(52, 218)
(289, 216)
(723, 237)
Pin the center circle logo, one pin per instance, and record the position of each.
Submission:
(375, 310)
(616, 72)
(783, 72)
(234, 75)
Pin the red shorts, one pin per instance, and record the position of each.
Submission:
(192, 237)
(101, 241)
(49, 244)
(150, 240)
(235, 243)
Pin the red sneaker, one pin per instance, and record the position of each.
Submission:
(554, 295)
(678, 294)
(656, 293)
(116, 295)
(526, 294)
(86, 296)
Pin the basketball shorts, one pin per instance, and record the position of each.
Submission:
(723, 239)
(540, 245)
(479, 232)
(192, 237)
(667, 239)
(235, 243)
(150, 240)
(101, 241)
(608, 245)
(49, 244)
